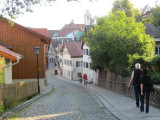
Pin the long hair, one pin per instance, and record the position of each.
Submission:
(144, 72)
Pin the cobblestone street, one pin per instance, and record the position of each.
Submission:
(67, 102)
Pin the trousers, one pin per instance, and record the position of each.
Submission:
(137, 92)
(146, 95)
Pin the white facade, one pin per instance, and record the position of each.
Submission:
(87, 18)
(52, 59)
(72, 67)
(91, 74)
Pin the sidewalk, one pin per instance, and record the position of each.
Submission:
(119, 105)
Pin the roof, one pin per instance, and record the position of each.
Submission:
(146, 9)
(152, 30)
(4, 51)
(52, 32)
(43, 38)
(56, 42)
(68, 28)
(43, 31)
(74, 49)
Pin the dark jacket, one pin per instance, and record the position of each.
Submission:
(137, 76)
(146, 81)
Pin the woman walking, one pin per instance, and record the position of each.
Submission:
(145, 89)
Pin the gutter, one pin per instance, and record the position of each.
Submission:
(10, 66)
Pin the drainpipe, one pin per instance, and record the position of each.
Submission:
(3, 70)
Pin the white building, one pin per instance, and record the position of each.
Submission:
(72, 60)
(52, 58)
(91, 74)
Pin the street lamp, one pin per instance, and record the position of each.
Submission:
(37, 53)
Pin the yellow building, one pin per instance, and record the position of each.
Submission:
(8, 58)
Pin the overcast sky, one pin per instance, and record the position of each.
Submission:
(62, 12)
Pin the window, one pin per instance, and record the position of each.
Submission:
(86, 65)
(157, 50)
(79, 63)
(70, 63)
(86, 51)
(51, 60)
(67, 62)
(89, 65)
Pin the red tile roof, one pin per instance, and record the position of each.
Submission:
(4, 51)
(43, 31)
(74, 49)
(68, 28)
(51, 33)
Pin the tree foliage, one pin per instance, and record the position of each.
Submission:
(154, 17)
(15, 7)
(115, 40)
(128, 8)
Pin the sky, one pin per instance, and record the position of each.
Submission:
(61, 12)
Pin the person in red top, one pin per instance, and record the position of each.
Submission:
(85, 79)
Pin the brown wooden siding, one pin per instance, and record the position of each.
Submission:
(23, 42)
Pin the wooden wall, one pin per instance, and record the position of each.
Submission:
(23, 42)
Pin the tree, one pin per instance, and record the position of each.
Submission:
(115, 40)
(14, 7)
(154, 17)
(128, 8)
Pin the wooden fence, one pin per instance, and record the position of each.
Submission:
(17, 91)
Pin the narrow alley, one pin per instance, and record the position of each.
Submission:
(68, 101)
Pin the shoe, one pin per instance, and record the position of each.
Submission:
(137, 105)
(147, 111)
(141, 110)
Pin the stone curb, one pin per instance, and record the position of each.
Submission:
(7, 114)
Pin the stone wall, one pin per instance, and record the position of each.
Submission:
(117, 83)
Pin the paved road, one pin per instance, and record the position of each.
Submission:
(68, 102)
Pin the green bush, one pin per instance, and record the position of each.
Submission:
(1, 109)
(155, 70)
(156, 63)
(155, 76)
(141, 61)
